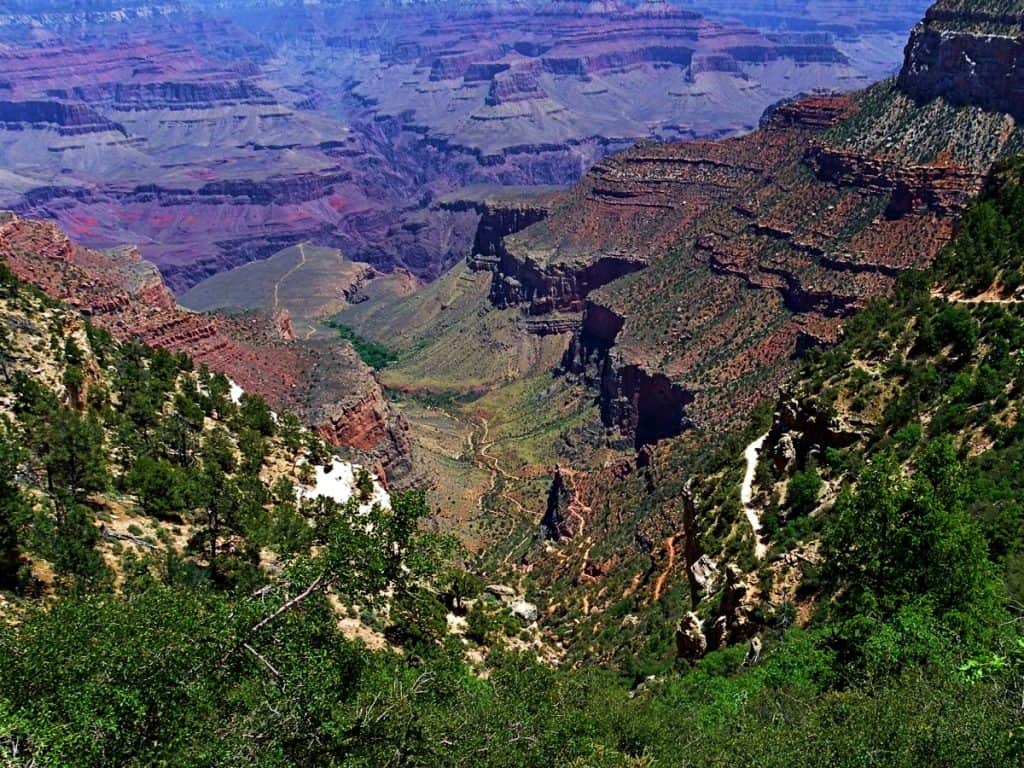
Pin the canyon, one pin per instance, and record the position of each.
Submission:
(701, 271)
(323, 381)
(669, 295)
(212, 135)
(588, 370)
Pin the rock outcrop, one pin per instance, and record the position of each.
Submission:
(66, 119)
(968, 54)
(703, 270)
(691, 643)
(206, 135)
(799, 431)
(729, 623)
(566, 513)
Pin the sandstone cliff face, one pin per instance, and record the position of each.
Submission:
(324, 382)
(919, 189)
(501, 216)
(969, 54)
(424, 99)
(67, 119)
(648, 208)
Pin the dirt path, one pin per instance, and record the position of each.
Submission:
(492, 464)
(277, 288)
(670, 547)
(983, 298)
(286, 275)
(577, 508)
(747, 494)
(485, 446)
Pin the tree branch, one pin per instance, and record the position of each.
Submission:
(266, 663)
(291, 603)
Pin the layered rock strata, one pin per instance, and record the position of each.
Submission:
(205, 134)
(736, 256)
(968, 54)
(323, 381)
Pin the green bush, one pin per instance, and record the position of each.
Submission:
(374, 354)
(803, 491)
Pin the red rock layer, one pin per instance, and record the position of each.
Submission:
(210, 145)
(744, 252)
(125, 295)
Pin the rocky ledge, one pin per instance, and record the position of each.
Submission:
(969, 56)
(705, 269)
(324, 382)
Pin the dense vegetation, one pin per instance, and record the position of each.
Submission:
(990, 247)
(373, 353)
(912, 654)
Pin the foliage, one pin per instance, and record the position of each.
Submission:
(373, 353)
(73, 455)
(14, 510)
(230, 653)
(804, 490)
(990, 245)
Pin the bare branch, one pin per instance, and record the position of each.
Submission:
(291, 603)
(266, 663)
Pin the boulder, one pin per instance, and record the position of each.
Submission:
(691, 644)
(501, 591)
(526, 612)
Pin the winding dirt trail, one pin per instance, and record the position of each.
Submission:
(277, 289)
(670, 547)
(988, 297)
(578, 509)
(747, 494)
(492, 464)
(289, 273)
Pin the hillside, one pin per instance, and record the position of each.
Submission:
(322, 380)
(683, 281)
(685, 284)
(724, 447)
(895, 645)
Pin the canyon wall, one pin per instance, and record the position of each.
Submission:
(212, 134)
(325, 382)
(973, 57)
(746, 252)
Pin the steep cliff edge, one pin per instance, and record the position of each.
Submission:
(324, 381)
(733, 257)
(213, 135)
(968, 53)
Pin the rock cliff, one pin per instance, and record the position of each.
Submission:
(704, 269)
(211, 135)
(969, 53)
(324, 381)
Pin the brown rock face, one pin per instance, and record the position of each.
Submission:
(704, 269)
(691, 643)
(212, 135)
(325, 382)
(916, 189)
(969, 54)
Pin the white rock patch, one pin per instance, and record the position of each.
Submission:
(338, 482)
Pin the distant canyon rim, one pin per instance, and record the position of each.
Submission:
(211, 135)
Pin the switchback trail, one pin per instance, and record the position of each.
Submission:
(289, 273)
(492, 464)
